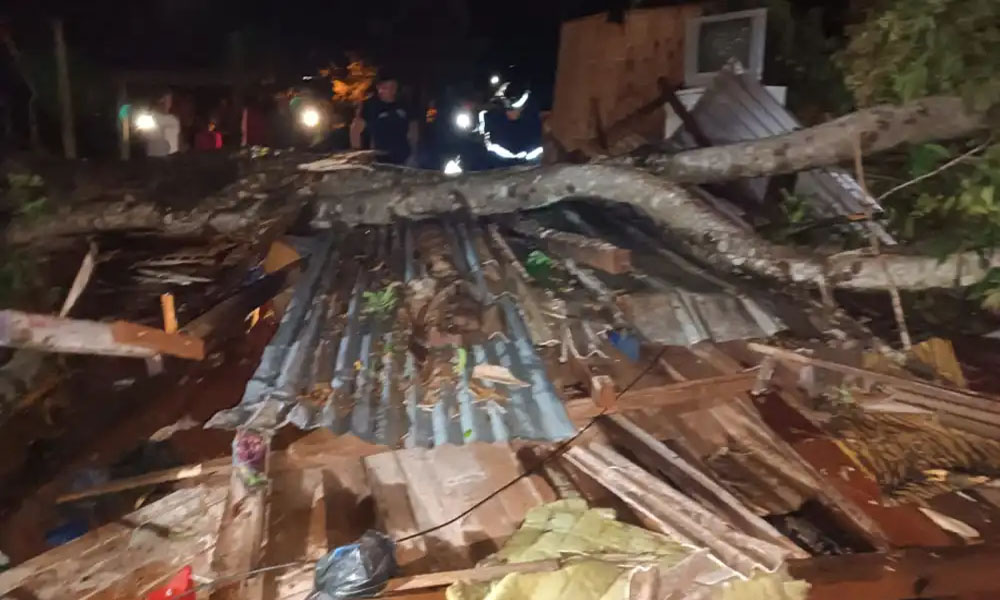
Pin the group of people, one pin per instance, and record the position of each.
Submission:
(504, 130)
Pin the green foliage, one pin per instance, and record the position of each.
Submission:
(955, 209)
(17, 276)
(538, 264)
(915, 48)
(381, 303)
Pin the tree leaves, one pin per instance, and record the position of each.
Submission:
(917, 48)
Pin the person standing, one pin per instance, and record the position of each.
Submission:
(165, 139)
(392, 131)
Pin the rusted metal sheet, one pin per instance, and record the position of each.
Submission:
(737, 108)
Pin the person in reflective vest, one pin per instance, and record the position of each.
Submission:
(512, 130)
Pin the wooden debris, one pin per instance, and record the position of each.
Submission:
(169, 313)
(80, 281)
(656, 456)
(474, 575)
(121, 338)
(943, 395)
(589, 251)
(902, 574)
(242, 535)
(669, 511)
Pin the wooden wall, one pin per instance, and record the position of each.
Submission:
(611, 69)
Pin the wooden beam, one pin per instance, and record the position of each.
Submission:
(692, 395)
(243, 535)
(961, 397)
(678, 398)
(656, 456)
(902, 574)
(158, 341)
(55, 334)
(213, 467)
(169, 313)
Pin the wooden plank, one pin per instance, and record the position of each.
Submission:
(958, 396)
(394, 511)
(212, 467)
(157, 340)
(473, 575)
(618, 67)
(75, 336)
(657, 457)
(242, 536)
(690, 395)
(169, 313)
(902, 574)
(671, 512)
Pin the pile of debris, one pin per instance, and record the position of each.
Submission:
(640, 400)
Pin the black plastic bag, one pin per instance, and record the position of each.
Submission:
(359, 570)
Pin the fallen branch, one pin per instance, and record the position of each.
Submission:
(879, 128)
(951, 163)
(707, 234)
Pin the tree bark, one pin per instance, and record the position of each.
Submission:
(707, 234)
(878, 129)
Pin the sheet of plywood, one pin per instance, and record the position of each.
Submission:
(607, 71)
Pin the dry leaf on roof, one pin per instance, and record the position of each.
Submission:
(496, 374)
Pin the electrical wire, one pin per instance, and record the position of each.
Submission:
(526, 473)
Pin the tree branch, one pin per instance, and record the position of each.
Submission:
(879, 128)
(707, 234)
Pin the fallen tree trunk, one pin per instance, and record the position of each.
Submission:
(876, 129)
(707, 234)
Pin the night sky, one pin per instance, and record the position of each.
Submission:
(300, 35)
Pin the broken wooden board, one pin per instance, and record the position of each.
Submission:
(126, 558)
(657, 457)
(901, 574)
(74, 336)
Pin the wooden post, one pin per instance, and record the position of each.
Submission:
(65, 96)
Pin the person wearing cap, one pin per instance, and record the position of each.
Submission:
(392, 132)
(512, 131)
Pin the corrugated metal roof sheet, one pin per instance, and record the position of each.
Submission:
(341, 371)
(679, 303)
(737, 108)
(333, 364)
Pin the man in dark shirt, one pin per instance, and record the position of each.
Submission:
(390, 127)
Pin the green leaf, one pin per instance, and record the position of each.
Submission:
(461, 361)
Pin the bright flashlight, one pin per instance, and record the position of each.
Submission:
(494, 80)
(145, 122)
(463, 120)
(453, 166)
(310, 117)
